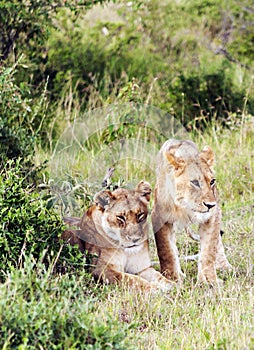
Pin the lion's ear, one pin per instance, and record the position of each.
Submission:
(207, 155)
(103, 198)
(176, 161)
(143, 190)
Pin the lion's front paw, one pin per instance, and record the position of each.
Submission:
(165, 285)
(162, 286)
(174, 276)
(209, 278)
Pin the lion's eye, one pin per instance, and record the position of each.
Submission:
(141, 217)
(212, 182)
(195, 183)
(121, 219)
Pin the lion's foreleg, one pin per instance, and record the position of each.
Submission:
(168, 253)
(209, 236)
(109, 275)
(156, 278)
(221, 259)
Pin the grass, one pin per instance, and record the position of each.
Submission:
(39, 310)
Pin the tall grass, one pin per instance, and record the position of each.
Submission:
(38, 311)
(42, 308)
(43, 311)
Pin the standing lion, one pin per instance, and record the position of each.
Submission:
(186, 193)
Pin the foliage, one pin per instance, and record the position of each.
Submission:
(67, 196)
(185, 52)
(27, 23)
(27, 227)
(38, 312)
(193, 59)
(207, 95)
(23, 120)
(16, 140)
(102, 61)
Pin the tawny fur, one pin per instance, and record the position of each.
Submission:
(186, 193)
(115, 231)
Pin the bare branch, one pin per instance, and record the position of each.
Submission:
(106, 181)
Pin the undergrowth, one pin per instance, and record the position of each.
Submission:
(47, 300)
(42, 310)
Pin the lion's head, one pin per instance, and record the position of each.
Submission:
(121, 215)
(186, 180)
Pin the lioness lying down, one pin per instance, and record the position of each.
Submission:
(186, 193)
(115, 231)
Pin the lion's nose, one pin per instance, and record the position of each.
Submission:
(135, 240)
(209, 205)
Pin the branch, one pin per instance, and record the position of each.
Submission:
(224, 52)
(107, 177)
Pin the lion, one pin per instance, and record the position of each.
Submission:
(114, 230)
(186, 193)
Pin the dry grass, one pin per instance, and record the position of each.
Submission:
(188, 317)
(191, 317)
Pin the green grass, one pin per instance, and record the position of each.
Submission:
(39, 310)
(174, 69)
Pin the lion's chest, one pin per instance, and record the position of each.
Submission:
(130, 260)
(137, 259)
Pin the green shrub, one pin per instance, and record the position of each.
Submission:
(27, 228)
(92, 59)
(24, 119)
(16, 137)
(179, 54)
(208, 94)
(40, 312)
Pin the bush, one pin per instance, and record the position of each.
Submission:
(27, 228)
(16, 136)
(90, 58)
(24, 120)
(203, 96)
(175, 51)
(39, 312)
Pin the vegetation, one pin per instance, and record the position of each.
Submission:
(88, 85)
